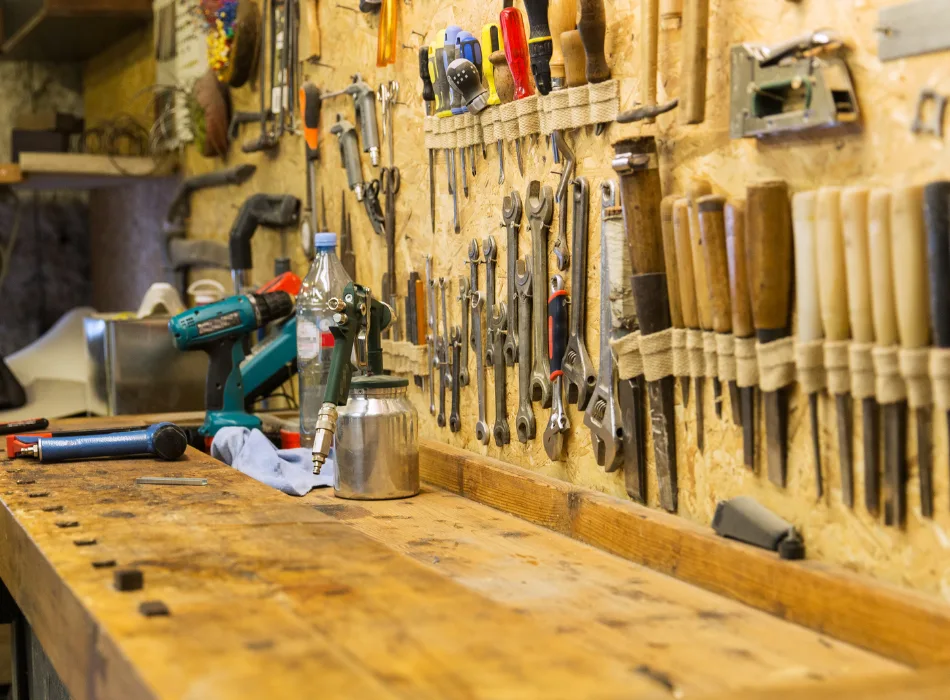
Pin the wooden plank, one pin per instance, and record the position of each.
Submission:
(894, 622)
(84, 164)
(929, 684)
(694, 640)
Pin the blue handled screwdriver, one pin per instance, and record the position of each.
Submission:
(468, 47)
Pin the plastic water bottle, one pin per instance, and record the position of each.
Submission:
(326, 280)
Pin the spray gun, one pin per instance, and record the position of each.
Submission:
(270, 210)
(359, 321)
(364, 102)
(367, 193)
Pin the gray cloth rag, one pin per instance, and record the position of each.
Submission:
(250, 452)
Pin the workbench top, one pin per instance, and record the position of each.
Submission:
(432, 597)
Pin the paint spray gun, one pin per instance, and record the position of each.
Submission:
(364, 102)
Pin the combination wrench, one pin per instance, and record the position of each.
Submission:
(431, 335)
(499, 320)
(524, 422)
(604, 416)
(445, 378)
(512, 212)
(578, 369)
(455, 420)
(474, 254)
(558, 424)
(481, 428)
(540, 202)
(491, 257)
(464, 293)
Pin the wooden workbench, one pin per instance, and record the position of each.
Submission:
(433, 597)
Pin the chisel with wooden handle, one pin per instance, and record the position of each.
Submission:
(637, 162)
(712, 230)
(804, 206)
(697, 189)
(687, 285)
(833, 301)
(694, 63)
(593, 29)
(649, 52)
(912, 292)
(742, 326)
(937, 220)
(884, 316)
(769, 259)
(854, 223)
(562, 17)
(672, 275)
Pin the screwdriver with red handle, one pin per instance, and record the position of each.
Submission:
(516, 51)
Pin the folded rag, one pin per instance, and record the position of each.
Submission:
(250, 452)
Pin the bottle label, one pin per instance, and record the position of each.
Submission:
(308, 340)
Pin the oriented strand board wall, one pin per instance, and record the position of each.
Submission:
(884, 153)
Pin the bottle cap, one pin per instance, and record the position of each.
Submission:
(324, 240)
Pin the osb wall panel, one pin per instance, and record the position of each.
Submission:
(883, 153)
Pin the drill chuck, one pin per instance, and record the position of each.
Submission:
(272, 306)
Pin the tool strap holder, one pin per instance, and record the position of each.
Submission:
(405, 358)
(810, 366)
(585, 105)
(680, 352)
(838, 367)
(940, 375)
(747, 362)
(710, 358)
(726, 355)
(862, 370)
(450, 133)
(627, 354)
(694, 353)
(776, 364)
(889, 385)
(915, 369)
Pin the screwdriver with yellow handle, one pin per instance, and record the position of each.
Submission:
(493, 42)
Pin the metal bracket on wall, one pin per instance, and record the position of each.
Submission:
(933, 125)
(912, 29)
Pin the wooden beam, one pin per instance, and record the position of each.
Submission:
(86, 164)
(897, 623)
(929, 684)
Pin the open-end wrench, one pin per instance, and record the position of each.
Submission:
(540, 202)
(482, 432)
(491, 258)
(431, 335)
(512, 212)
(499, 320)
(455, 420)
(604, 415)
(558, 424)
(463, 297)
(562, 255)
(474, 254)
(579, 373)
(445, 379)
(525, 422)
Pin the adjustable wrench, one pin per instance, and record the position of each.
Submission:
(473, 255)
(603, 415)
(561, 253)
(445, 379)
(464, 293)
(481, 428)
(512, 212)
(558, 423)
(578, 369)
(491, 257)
(524, 422)
(540, 214)
(455, 420)
(431, 335)
(498, 322)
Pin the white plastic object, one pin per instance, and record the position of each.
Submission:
(203, 292)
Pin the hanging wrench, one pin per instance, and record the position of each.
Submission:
(558, 423)
(482, 432)
(512, 212)
(464, 294)
(540, 213)
(473, 259)
(579, 371)
(524, 422)
(491, 257)
(561, 253)
(445, 379)
(455, 420)
(604, 415)
(431, 335)
(499, 320)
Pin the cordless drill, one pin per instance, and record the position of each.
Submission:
(220, 330)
